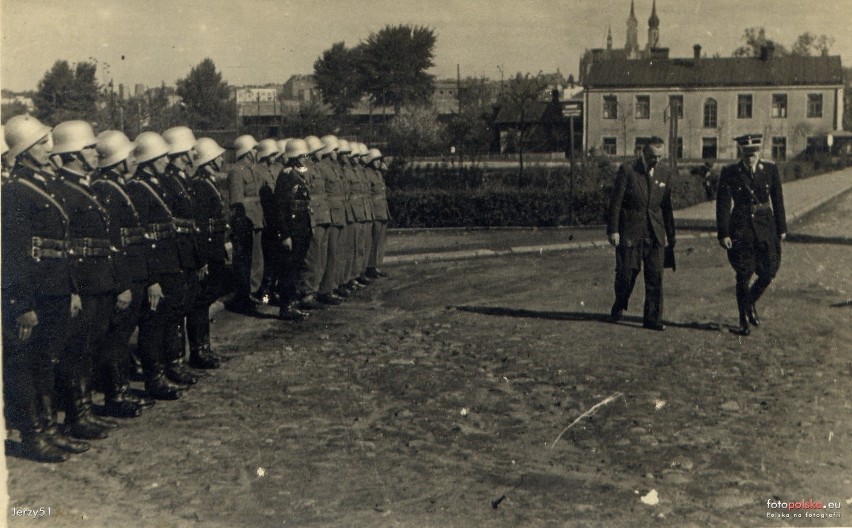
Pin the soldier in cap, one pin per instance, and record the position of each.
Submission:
(292, 200)
(267, 170)
(162, 307)
(640, 226)
(90, 227)
(130, 269)
(246, 224)
(335, 189)
(317, 257)
(211, 219)
(752, 230)
(381, 214)
(39, 290)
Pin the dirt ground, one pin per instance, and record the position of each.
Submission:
(436, 397)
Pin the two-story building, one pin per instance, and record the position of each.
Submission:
(793, 101)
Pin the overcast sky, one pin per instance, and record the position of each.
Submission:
(260, 41)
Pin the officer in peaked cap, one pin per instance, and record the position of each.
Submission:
(751, 232)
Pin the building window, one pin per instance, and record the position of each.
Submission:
(744, 106)
(676, 105)
(709, 148)
(610, 146)
(639, 143)
(643, 107)
(779, 105)
(779, 148)
(814, 105)
(678, 148)
(610, 107)
(710, 119)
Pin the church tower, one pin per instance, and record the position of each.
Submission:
(653, 29)
(631, 46)
(609, 39)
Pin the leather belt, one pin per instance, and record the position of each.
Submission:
(161, 231)
(131, 236)
(184, 226)
(761, 207)
(49, 248)
(217, 225)
(90, 247)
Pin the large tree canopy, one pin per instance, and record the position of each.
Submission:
(65, 93)
(206, 97)
(395, 60)
(337, 74)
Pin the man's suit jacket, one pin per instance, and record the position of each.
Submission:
(639, 201)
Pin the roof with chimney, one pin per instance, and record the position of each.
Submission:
(715, 72)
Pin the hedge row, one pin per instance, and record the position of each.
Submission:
(495, 208)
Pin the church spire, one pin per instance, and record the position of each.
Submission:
(631, 45)
(653, 28)
(609, 38)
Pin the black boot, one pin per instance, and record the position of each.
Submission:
(158, 387)
(291, 313)
(115, 404)
(743, 307)
(375, 273)
(80, 427)
(202, 357)
(66, 443)
(343, 291)
(78, 413)
(364, 280)
(329, 298)
(138, 399)
(755, 292)
(309, 302)
(177, 372)
(35, 444)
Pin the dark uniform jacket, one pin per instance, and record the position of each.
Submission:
(91, 242)
(211, 219)
(292, 200)
(34, 220)
(758, 203)
(178, 198)
(334, 190)
(156, 217)
(378, 192)
(127, 234)
(641, 207)
(244, 189)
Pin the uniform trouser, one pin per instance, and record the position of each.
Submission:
(28, 366)
(198, 320)
(86, 333)
(242, 238)
(160, 329)
(271, 247)
(347, 252)
(628, 260)
(331, 276)
(256, 259)
(293, 269)
(357, 256)
(749, 256)
(316, 258)
(366, 245)
(112, 359)
(377, 243)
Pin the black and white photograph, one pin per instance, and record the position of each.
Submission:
(401, 264)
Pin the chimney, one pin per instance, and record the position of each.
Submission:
(696, 52)
(767, 50)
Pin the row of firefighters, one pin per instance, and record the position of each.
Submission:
(101, 236)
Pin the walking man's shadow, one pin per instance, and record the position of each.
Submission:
(579, 316)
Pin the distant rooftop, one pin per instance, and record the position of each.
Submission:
(727, 71)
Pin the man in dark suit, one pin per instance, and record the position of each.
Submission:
(753, 229)
(641, 225)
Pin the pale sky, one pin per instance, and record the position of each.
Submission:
(260, 41)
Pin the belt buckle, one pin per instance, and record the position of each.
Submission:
(35, 251)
